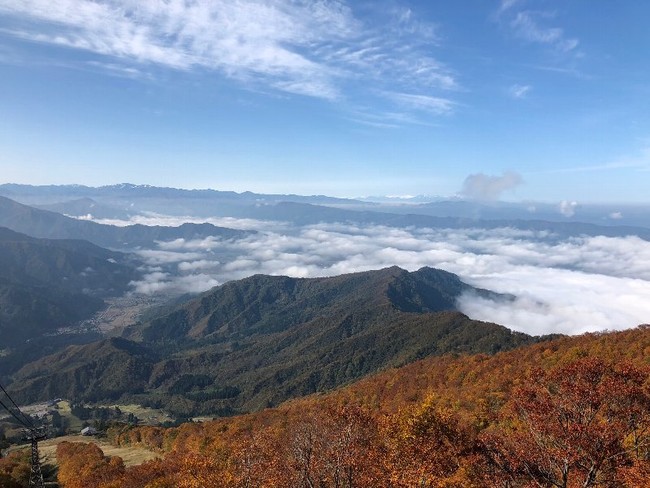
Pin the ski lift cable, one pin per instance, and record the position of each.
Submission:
(29, 421)
(22, 422)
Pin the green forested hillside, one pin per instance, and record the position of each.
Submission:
(259, 341)
(104, 369)
(46, 284)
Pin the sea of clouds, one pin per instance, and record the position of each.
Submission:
(567, 286)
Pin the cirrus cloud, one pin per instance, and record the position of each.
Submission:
(319, 49)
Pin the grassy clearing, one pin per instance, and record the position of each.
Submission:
(132, 456)
(146, 416)
(149, 416)
(74, 424)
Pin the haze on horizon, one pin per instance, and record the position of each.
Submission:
(542, 100)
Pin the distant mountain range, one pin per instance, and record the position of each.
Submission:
(86, 208)
(599, 214)
(261, 340)
(45, 224)
(307, 214)
(126, 200)
(41, 195)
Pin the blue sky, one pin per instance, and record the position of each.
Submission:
(340, 98)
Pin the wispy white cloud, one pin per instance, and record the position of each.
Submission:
(241, 39)
(152, 218)
(507, 4)
(161, 257)
(200, 264)
(406, 22)
(532, 26)
(526, 25)
(154, 283)
(120, 70)
(318, 49)
(436, 105)
(637, 162)
(519, 91)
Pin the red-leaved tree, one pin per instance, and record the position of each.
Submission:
(583, 424)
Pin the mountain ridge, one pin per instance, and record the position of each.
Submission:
(130, 189)
(129, 199)
(45, 224)
(258, 341)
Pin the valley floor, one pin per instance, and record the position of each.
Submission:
(120, 312)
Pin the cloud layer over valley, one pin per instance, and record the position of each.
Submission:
(562, 285)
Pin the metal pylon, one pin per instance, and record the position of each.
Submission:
(35, 475)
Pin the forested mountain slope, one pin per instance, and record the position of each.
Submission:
(46, 284)
(572, 412)
(262, 340)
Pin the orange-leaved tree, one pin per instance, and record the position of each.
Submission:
(14, 469)
(427, 446)
(85, 466)
(583, 424)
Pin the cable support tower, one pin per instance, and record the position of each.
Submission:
(33, 434)
(35, 474)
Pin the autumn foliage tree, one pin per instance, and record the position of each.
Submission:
(583, 424)
(14, 469)
(574, 412)
(335, 448)
(426, 446)
(85, 466)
